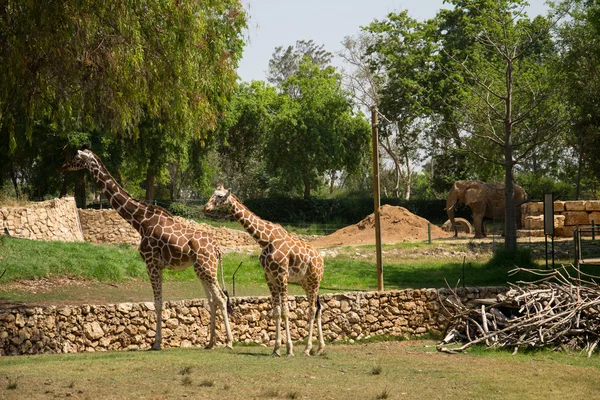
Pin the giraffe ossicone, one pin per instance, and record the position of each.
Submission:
(284, 258)
(166, 243)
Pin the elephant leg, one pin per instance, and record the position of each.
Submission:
(478, 214)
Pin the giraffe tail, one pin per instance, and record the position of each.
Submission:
(225, 292)
(229, 305)
(318, 306)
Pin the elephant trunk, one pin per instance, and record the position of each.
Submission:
(450, 203)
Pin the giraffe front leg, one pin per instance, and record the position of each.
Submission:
(155, 274)
(321, 347)
(275, 290)
(277, 316)
(289, 347)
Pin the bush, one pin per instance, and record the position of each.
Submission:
(343, 210)
(504, 259)
(189, 211)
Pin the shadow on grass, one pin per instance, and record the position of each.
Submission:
(247, 353)
(363, 275)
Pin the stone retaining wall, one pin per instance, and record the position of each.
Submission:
(47, 220)
(59, 219)
(130, 326)
(568, 215)
(106, 226)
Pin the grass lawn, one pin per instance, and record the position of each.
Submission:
(59, 272)
(382, 370)
(55, 272)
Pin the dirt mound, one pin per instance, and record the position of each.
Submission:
(397, 225)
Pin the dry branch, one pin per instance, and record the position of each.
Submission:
(561, 309)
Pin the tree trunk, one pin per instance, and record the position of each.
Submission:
(331, 181)
(387, 146)
(150, 184)
(408, 180)
(13, 178)
(80, 189)
(306, 189)
(510, 226)
(579, 167)
(63, 187)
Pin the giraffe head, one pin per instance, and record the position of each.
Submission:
(221, 197)
(83, 159)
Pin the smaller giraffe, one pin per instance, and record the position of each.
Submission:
(284, 259)
(166, 243)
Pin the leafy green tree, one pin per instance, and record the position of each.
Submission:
(580, 37)
(242, 138)
(285, 62)
(510, 106)
(314, 131)
(72, 66)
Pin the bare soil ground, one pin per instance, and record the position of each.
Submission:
(397, 225)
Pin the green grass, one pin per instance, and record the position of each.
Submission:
(29, 259)
(118, 274)
(26, 259)
(409, 370)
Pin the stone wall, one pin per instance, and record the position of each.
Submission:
(48, 220)
(106, 226)
(59, 219)
(568, 215)
(128, 326)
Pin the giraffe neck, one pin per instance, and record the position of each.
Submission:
(262, 231)
(130, 209)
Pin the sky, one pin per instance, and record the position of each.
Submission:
(275, 23)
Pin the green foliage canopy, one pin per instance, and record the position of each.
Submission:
(107, 66)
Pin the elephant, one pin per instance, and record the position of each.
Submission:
(485, 200)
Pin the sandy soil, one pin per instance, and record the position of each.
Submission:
(397, 225)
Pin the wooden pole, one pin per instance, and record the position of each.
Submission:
(376, 200)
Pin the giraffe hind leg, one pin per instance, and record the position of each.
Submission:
(221, 299)
(212, 307)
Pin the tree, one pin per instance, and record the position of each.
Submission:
(400, 56)
(108, 66)
(580, 39)
(510, 106)
(314, 131)
(242, 137)
(285, 63)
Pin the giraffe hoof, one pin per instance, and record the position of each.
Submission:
(209, 347)
(307, 353)
(276, 353)
(229, 346)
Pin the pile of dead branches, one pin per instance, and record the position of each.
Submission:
(559, 310)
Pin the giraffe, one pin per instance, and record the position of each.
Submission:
(166, 243)
(283, 258)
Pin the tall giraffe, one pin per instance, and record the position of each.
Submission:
(166, 243)
(284, 258)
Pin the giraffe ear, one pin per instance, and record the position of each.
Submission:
(228, 193)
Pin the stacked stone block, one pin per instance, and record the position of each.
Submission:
(568, 215)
